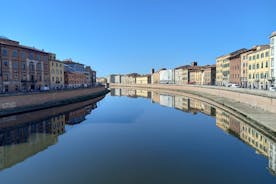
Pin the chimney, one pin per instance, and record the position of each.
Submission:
(152, 70)
(194, 63)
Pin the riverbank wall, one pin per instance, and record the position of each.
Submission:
(21, 103)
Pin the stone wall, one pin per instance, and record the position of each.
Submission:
(36, 100)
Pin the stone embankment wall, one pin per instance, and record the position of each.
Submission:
(12, 104)
(263, 100)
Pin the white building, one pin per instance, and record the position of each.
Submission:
(167, 76)
(272, 55)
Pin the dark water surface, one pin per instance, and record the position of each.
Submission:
(134, 136)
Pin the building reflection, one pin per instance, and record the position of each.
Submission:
(24, 135)
(262, 142)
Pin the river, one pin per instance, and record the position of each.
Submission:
(135, 136)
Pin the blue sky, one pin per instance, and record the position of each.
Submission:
(124, 36)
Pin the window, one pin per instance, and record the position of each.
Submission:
(262, 55)
(31, 66)
(23, 66)
(23, 55)
(253, 76)
(53, 79)
(4, 52)
(262, 65)
(258, 66)
(258, 56)
(257, 76)
(249, 58)
(6, 77)
(15, 65)
(262, 75)
(266, 64)
(6, 63)
(253, 66)
(266, 54)
(249, 76)
(38, 57)
(31, 56)
(272, 62)
(14, 53)
(38, 66)
(254, 57)
(249, 67)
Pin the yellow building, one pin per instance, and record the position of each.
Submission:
(258, 71)
(196, 76)
(255, 139)
(56, 73)
(145, 79)
(223, 70)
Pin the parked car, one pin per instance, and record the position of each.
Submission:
(272, 88)
(235, 86)
(44, 88)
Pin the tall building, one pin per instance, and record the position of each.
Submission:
(22, 68)
(235, 66)
(244, 67)
(272, 59)
(56, 72)
(259, 70)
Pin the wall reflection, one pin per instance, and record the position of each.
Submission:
(262, 142)
(24, 135)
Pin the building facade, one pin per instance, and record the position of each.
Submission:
(222, 70)
(181, 75)
(56, 72)
(22, 68)
(259, 70)
(228, 68)
(209, 75)
(144, 79)
(167, 76)
(273, 59)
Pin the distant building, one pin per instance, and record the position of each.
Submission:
(56, 72)
(111, 78)
(209, 75)
(167, 76)
(22, 68)
(74, 79)
(182, 75)
(101, 80)
(155, 76)
(144, 79)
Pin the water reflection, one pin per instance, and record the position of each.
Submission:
(24, 135)
(262, 142)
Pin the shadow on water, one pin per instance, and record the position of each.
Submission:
(24, 135)
(262, 142)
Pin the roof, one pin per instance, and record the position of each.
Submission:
(9, 42)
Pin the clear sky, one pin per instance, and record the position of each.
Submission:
(124, 36)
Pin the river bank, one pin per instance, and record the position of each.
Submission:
(14, 104)
(253, 114)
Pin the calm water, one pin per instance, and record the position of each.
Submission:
(134, 136)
